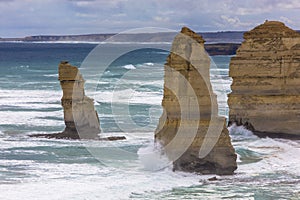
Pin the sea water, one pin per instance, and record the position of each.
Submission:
(35, 168)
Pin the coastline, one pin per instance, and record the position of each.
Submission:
(211, 48)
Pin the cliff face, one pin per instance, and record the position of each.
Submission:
(265, 93)
(80, 117)
(194, 137)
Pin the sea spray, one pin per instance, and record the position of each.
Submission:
(240, 132)
(153, 158)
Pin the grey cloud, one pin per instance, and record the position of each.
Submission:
(26, 17)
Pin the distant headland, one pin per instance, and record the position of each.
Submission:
(217, 43)
(209, 37)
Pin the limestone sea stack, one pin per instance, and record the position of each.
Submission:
(80, 117)
(265, 93)
(190, 131)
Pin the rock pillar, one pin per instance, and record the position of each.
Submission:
(80, 117)
(192, 134)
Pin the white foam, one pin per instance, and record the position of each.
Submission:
(152, 157)
(149, 64)
(98, 184)
(218, 70)
(130, 66)
(95, 181)
(128, 96)
(14, 97)
(31, 118)
(50, 75)
(87, 181)
(277, 155)
(240, 132)
(24, 66)
(163, 53)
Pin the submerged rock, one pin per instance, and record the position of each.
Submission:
(265, 95)
(213, 178)
(192, 134)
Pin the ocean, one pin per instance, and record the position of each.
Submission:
(128, 94)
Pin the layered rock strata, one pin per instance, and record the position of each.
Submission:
(192, 134)
(265, 93)
(80, 117)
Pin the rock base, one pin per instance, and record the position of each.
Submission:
(72, 136)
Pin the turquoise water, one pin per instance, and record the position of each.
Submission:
(33, 168)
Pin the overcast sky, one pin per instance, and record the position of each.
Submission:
(40, 17)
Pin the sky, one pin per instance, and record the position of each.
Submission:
(19, 18)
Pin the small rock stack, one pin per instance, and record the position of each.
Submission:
(265, 93)
(80, 117)
(192, 134)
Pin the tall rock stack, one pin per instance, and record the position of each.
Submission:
(192, 134)
(265, 93)
(80, 117)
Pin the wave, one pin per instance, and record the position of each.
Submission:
(13, 76)
(128, 96)
(24, 66)
(130, 66)
(219, 69)
(14, 97)
(162, 52)
(50, 75)
(276, 155)
(240, 133)
(31, 118)
(149, 64)
(26, 107)
(152, 158)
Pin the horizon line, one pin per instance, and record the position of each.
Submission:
(89, 34)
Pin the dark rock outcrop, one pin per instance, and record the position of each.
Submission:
(192, 134)
(265, 95)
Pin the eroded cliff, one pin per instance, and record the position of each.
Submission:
(265, 93)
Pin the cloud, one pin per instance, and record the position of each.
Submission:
(289, 4)
(31, 17)
(233, 22)
(161, 19)
(287, 20)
